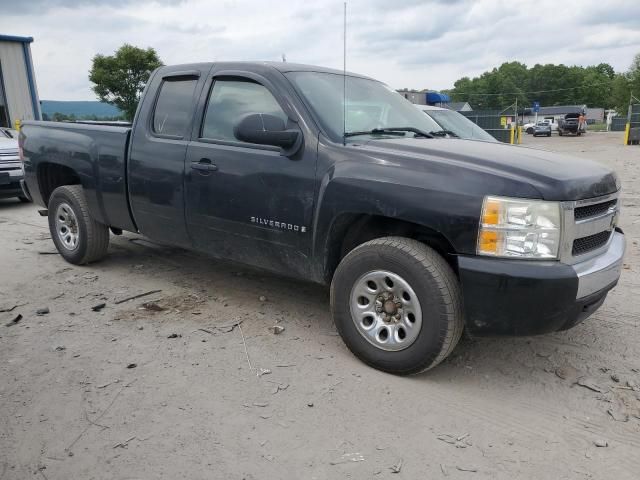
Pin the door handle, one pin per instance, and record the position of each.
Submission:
(204, 165)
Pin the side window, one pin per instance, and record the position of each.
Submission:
(229, 101)
(174, 107)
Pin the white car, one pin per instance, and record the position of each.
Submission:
(453, 124)
(11, 171)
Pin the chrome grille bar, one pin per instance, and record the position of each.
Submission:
(597, 215)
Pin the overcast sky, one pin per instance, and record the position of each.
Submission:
(412, 43)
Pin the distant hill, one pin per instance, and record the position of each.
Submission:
(79, 109)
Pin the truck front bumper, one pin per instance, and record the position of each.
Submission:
(10, 186)
(521, 297)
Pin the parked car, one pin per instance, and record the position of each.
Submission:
(571, 124)
(454, 124)
(11, 171)
(417, 236)
(530, 127)
(542, 129)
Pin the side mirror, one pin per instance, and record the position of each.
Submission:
(265, 129)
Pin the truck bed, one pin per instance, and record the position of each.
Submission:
(97, 153)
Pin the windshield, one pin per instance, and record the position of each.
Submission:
(370, 105)
(459, 124)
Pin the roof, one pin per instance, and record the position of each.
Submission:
(14, 38)
(280, 66)
(301, 67)
(424, 108)
(457, 106)
(557, 110)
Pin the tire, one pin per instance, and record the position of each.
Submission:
(578, 133)
(529, 130)
(559, 133)
(68, 210)
(24, 199)
(426, 287)
(549, 134)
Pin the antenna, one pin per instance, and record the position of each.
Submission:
(344, 79)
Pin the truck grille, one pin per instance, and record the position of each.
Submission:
(590, 243)
(580, 213)
(588, 227)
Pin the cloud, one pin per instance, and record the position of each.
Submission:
(46, 6)
(411, 43)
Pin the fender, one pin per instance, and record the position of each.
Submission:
(97, 160)
(429, 193)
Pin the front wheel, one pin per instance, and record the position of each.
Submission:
(78, 237)
(397, 305)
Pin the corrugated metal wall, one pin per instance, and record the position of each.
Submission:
(618, 124)
(16, 83)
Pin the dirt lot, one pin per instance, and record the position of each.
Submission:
(191, 406)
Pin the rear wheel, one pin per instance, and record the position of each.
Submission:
(397, 305)
(77, 236)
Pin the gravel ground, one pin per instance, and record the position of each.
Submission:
(205, 400)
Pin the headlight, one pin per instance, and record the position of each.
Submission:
(512, 227)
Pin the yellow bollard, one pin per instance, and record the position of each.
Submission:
(17, 124)
(519, 135)
(627, 130)
(511, 135)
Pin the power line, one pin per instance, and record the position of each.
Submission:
(533, 91)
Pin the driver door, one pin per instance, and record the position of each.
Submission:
(246, 202)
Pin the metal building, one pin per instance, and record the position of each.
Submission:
(18, 91)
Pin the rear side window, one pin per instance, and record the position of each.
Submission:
(174, 107)
(230, 100)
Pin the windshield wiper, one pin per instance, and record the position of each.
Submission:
(391, 131)
(442, 133)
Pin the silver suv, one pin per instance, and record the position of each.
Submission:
(11, 171)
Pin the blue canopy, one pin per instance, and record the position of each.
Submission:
(435, 97)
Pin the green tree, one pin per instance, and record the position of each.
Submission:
(548, 84)
(624, 85)
(120, 78)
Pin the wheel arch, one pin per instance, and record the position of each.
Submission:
(348, 230)
(53, 175)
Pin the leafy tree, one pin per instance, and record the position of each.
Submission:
(120, 78)
(548, 84)
(61, 117)
(625, 85)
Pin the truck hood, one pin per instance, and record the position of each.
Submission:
(8, 144)
(554, 176)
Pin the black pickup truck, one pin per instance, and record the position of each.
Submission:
(417, 235)
(572, 123)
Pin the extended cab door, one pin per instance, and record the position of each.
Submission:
(158, 148)
(247, 202)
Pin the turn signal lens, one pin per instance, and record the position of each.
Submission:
(488, 242)
(491, 212)
(515, 227)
